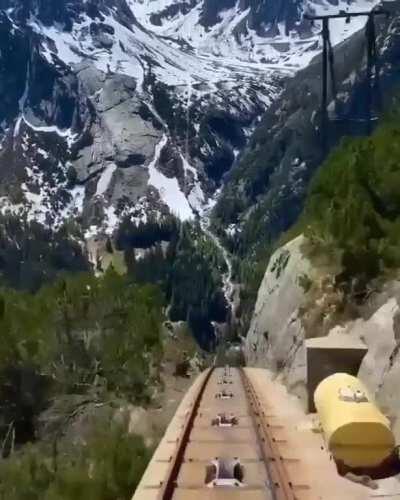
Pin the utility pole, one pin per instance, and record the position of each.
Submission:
(372, 62)
(324, 104)
(327, 60)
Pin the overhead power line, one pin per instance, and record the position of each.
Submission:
(328, 64)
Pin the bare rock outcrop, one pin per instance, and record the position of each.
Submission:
(276, 336)
(296, 301)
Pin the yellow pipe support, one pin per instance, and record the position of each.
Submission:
(355, 430)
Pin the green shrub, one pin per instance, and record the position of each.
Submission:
(108, 466)
(78, 334)
(353, 206)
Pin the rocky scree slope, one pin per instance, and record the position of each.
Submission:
(120, 108)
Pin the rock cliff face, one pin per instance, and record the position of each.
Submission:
(296, 301)
(276, 336)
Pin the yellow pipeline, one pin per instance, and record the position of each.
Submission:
(355, 431)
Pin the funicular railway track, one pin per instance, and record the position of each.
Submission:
(223, 448)
(237, 435)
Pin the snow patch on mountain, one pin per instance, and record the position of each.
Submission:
(233, 38)
(135, 52)
(105, 179)
(341, 29)
(38, 201)
(169, 189)
(69, 136)
(197, 199)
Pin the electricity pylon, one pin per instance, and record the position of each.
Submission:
(328, 64)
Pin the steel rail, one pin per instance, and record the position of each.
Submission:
(281, 486)
(168, 487)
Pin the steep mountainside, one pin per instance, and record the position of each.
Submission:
(341, 276)
(252, 30)
(123, 108)
(265, 191)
